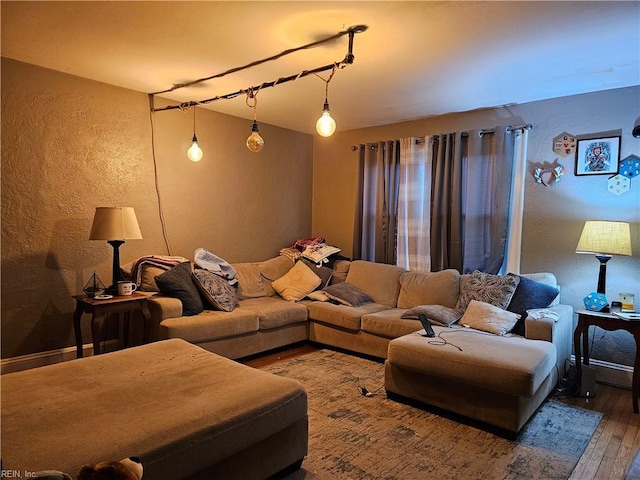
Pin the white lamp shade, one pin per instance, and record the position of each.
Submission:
(115, 223)
(608, 238)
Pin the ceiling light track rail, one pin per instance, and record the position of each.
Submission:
(246, 91)
(348, 59)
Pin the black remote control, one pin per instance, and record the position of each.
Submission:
(426, 325)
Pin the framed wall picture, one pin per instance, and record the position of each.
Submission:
(597, 156)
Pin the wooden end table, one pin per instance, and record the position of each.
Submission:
(100, 309)
(609, 322)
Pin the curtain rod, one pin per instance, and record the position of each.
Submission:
(486, 131)
(348, 60)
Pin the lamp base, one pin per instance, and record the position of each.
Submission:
(111, 290)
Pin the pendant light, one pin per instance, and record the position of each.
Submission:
(195, 152)
(255, 141)
(326, 126)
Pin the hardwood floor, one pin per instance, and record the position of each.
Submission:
(612, 447)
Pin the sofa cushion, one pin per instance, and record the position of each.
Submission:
(251, 283)
(380, 280)
(178, 283)
(528, 295)
(274, 312)
(485, 287)
(488, 318)
(438, 314)
(429, 288)
(340, 271)
(148, 277)
(347, 294)
(216, 290)
(211, 325)
(340, 315)
(275, 267)
(296, 283)
(509, 364)
(389, 323)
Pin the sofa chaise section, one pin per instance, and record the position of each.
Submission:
(498, 380)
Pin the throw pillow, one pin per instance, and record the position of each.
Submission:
(530, 295)
(325, 273)
(438, 314)
(318, 296)
(216, 290)
(296, 283)
(488, 318)
(485, 287)
(178, 283)
(347, 294)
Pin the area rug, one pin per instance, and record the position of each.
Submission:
(357, 437)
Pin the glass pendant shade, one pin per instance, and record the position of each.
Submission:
(326, 126)
(255, 141)
(195, 152)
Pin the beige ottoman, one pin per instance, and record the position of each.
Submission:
(497, 380)
(186, 412)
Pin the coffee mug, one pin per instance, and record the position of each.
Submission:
(126, 288)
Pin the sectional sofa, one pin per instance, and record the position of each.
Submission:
(452, 370)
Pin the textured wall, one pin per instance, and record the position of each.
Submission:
(71, 144)
(554, 216)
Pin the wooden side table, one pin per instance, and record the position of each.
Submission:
(100, 309)
(609, 322)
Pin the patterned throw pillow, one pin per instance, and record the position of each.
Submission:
(496, 290)
(216, 290)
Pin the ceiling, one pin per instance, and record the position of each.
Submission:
(416, 59)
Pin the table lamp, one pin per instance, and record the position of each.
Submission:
(115, 225)
(604, 239)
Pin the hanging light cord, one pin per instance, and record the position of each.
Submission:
(326, 86)
(253, 96)
(350, 32)
(157, 187)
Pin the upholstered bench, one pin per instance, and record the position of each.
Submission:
(186, 412)
(499, 380)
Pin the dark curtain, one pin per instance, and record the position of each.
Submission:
(470, 200)
(377, 207)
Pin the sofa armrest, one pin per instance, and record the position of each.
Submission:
(162, 307)
(557, 332)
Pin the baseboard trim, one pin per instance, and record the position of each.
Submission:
(611, 373)
(50, 357)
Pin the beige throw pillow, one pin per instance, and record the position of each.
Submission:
(297, 283)
(488, 318)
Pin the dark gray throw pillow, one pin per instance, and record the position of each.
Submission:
(436, 314)
(178, 283)
(530, 294)
(347, 294)
(325, 273)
